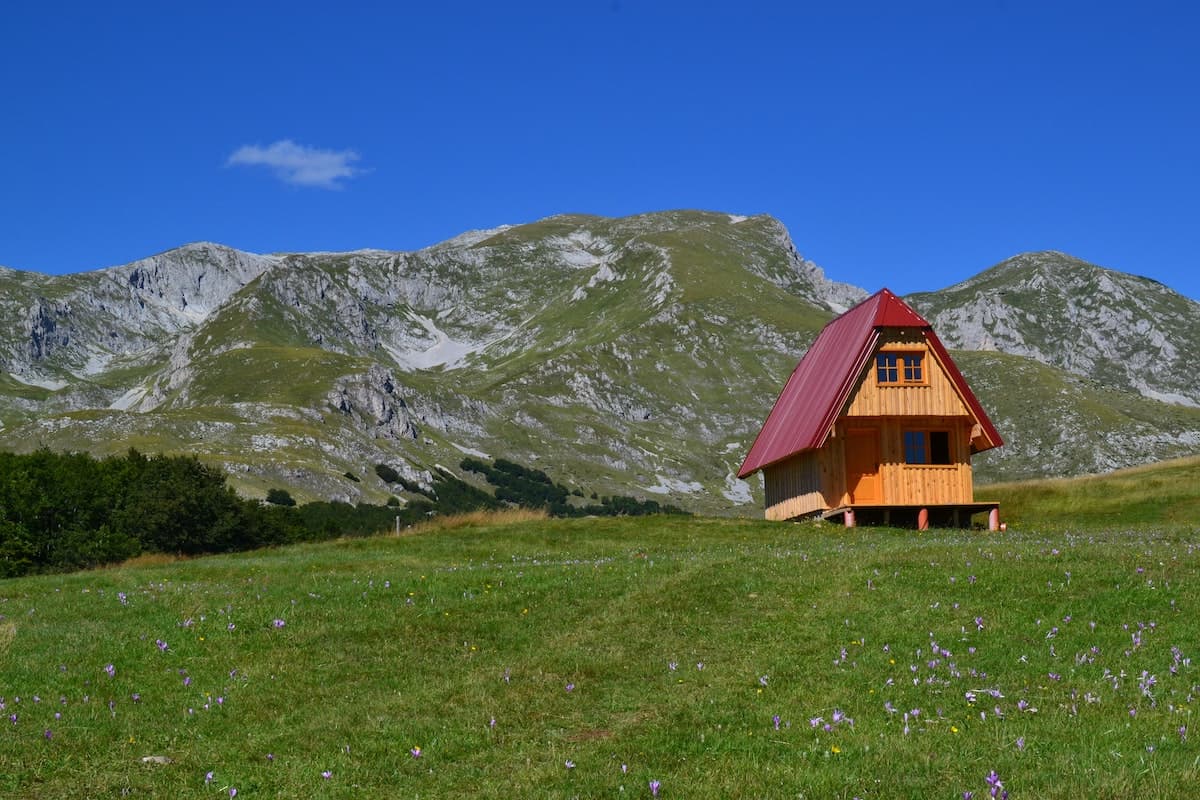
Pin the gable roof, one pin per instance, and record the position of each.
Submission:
(820, 385)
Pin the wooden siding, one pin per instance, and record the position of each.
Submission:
(937, 397)
(793, 487)
(915, 484)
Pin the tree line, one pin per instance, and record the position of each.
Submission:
(64, 511)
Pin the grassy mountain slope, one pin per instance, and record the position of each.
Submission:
(1163, 493)
(623, 356)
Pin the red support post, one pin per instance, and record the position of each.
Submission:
(994, 519)
(923, 519)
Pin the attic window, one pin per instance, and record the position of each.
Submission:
(900, 368)
(927, 447)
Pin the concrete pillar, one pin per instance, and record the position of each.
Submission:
(923, 519)
(848, 518)
(994, 519)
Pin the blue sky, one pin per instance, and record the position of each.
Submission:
(910, 145)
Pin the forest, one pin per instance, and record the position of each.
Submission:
(64, 511)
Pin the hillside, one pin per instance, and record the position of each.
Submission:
(1160, 494)
(622, 356)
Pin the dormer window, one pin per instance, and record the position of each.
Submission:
(900, 368)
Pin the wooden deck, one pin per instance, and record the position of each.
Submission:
(921, 517)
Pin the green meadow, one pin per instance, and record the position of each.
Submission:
(626, 657)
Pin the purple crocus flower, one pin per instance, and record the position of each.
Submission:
(654, 787)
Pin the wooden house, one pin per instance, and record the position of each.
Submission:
(875, 423)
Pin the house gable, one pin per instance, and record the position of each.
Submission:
(933, 393)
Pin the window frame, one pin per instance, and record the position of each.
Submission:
(894, 367)
(925, 448)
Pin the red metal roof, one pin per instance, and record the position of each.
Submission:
(820, 385)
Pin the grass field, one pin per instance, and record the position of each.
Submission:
(620, 657)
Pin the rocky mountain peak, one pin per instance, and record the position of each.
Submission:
(1093, 322)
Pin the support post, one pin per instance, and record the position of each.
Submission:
(994, 519)
(848, 518)
(923, 519)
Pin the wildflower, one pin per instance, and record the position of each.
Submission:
(570, 687)
(110, 669)
(654, 787)
(994, 784)
(270, 756)
(208, 777)
(416, 752)
(1020, 742)
(835, 749)
(763, 680)
(672, 665)
(699, 665)
(233, 791)
(775, 719)
(326, 774)
(48, 735)
(278, 623)
(161, 645)
(124, 600)
(624, 768)
(815, 721)
(569, 764)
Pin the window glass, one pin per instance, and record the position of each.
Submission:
(914, 447)
(886, 370)
(912, 369)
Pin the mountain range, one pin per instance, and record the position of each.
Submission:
(636, 356)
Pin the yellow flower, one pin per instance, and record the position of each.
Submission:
(835, 749)
(953, 729)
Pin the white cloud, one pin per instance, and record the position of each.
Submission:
(300, 165)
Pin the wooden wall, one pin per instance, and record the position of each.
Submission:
(936, 397)
(910, 484)
(793, 487)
